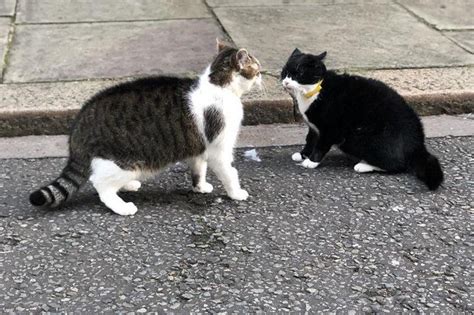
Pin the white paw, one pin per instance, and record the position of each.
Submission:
(203, 188)
(297, 157)
(127, 209)
(363, 167)
(239, 195)
(133, 185)
(360, 168)
(307, 163)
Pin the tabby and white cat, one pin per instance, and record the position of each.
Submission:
(363, 117)
(137, 128)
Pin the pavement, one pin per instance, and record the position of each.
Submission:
(56, 54)
(322, 240)
(327, 239)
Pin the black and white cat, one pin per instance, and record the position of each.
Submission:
(136, 128)
(363, 117)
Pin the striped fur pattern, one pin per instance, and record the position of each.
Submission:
(62, 188)
(136, 128)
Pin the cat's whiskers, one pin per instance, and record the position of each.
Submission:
(261, 86)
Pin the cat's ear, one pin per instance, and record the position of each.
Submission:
(322, 56)
(221, 45)
(296, 52)
(242, 57)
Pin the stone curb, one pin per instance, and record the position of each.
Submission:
(45, 122)
(49, 108)
(249, 137)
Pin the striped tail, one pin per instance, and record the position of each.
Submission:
(62, 188)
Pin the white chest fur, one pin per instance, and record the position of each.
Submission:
(303, 105)
(225, 101)
(303, 102)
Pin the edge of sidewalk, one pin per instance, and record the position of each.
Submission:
(250, 136)
(49, 108)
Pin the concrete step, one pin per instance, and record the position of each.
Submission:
(48, 108)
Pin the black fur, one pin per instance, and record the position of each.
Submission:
(366, 118)
(195, 179)
(37, 198)
(213, 122)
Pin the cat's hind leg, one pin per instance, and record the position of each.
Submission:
(198, 166)
(364, 167)
(108, 178)
(133, 185)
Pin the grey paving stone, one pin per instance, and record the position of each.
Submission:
(50, 96)
(371, 36)
(108, 10)
(247, 3)
(463, 38)
(104, 50)
(64, 96)
(4, 29)
(7, 7)
(456, 14)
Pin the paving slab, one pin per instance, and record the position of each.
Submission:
(259, 3)
(444, 15)
(425, 81)
(250, 136)
(71, 95)
(4, 30)
(291, 134)
(372, 36)
(323, 240)
(7, 7)
(464, 38)
(63, 11)
(54, 96)
(57, 52)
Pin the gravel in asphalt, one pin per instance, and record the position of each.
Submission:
(327, 239)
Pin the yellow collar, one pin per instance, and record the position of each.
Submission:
(316, 89)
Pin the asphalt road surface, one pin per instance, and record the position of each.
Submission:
(327, 239)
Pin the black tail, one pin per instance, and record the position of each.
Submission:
(62, 188)
(428, 169)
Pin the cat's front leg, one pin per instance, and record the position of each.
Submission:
(319, 151)
(221, 164)
(311, 139)
(198, 166)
